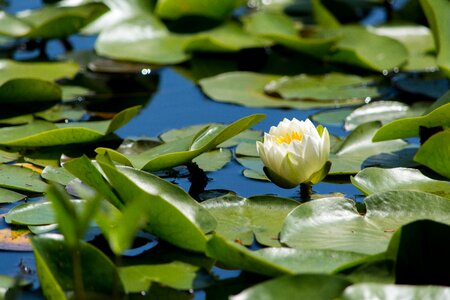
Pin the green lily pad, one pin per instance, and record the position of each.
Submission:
(48, 71)
(310, 286)
(184, 150)
(358, 146)
(436, 13)
(270, 24)
(247, 148)
(61, 112)
(334, 223)
(98, 274)
(118, 12)
(386, 291)
(277, 261)
(150, 41)
(279, 28)
(418, 40)
(247, 88)
(32, 81)
(228, 37)
(213, 160)
(7, 196)
(383, 111)
(8, 156)
(175, 134)
(23, 119)
(35, 213)
(334, 117)
(13, 26)
(409, 127)
(57, 174)
(42, 133)
(246, 135)
(50, 21)
(323, 16)
(328, 87)
(374, 180)
(146, 38)
(20, 178)
(177, 275)
(217, 9)
(434, 153)
(22, 90)
(189, 221)
(243, 219)
(359, 47)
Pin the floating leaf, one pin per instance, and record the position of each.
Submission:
(43, 134)
(409, 127)
(20, 178)
(358, 146)
(189, 222)
(334, 223)
(35, 213)
(374, 180)
(246, 88)
(57, 174)
(417, 39)
(218, 9)
(281, 29)
(333, 117)
(383, 111)
(310, 286)
(359, 47)
(50, 21)
(436, 13)
(48, 71)
(32, 81)
(8, 156)
(435, 153)
(323, 16)
(146, 38)
(277, 261)
(177, 275)
(118, 12)
(213, 160)
(228, 37)
(61, 112)
(328, 87)
(243, 219)
(175, 134)
(7, 196)
(184, 150)
(386, 291)
(99, 275)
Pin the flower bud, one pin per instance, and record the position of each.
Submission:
(295, 152)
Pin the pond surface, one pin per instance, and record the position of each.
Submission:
(171, 100)
(176, 103)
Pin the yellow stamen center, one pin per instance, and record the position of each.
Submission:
(288, 138)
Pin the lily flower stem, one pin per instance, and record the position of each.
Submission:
(305, 191)
(77, 273)
(198, 179)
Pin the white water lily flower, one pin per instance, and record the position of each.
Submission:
(295, 152)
